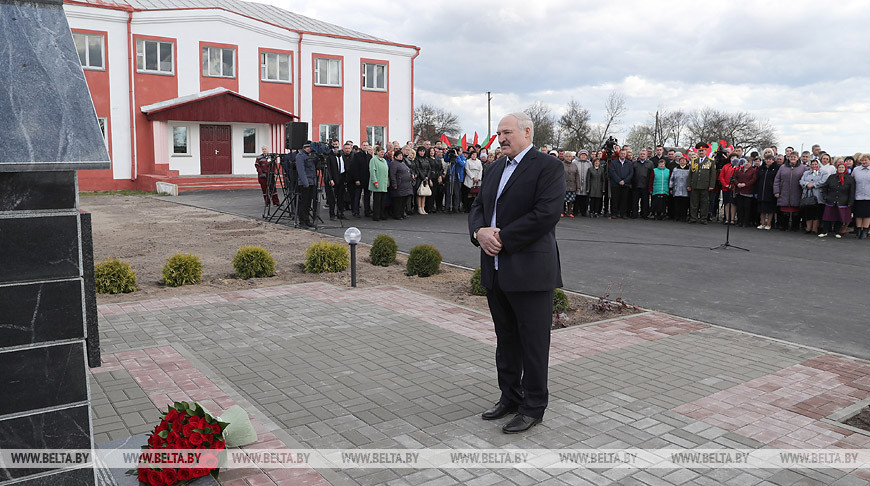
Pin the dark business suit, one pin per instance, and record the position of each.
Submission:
(520, 292)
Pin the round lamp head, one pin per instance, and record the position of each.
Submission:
(352, 235)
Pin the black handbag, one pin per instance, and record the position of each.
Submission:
(809, 199)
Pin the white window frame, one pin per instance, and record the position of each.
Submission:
(172, 151)
(277, 56)
(365, 76)
(103, 122)
(370, 134)
(140, 56)
(206, 60)
(328, 127)
(318, 74)
(256, 137)
(86, 64)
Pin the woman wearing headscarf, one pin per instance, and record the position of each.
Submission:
(787, 189)
(678, 182)
(811, 183)
(838, 193)
(764, 189)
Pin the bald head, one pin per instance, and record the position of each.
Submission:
(515, 132)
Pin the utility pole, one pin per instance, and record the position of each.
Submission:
(488, 115)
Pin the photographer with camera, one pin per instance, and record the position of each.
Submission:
(306, 166)
(455, 178)
(264, 164)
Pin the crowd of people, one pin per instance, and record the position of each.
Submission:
(809, 191)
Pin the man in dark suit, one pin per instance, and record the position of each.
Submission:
(358, 183)
(513, 220)
(338, 162)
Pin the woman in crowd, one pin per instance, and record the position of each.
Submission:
(678, 183)
(572, 183)
(766, 194)
(744, 191)
(660, 188)
(838, 193)
(861, 174)
(471, 184)
(424, 172)
(596, 178)
(725, 175)
(379, 181)
(811, 183)
(787, 189)
(583, 164)
(400, 184)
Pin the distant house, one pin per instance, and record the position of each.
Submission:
(196, 87)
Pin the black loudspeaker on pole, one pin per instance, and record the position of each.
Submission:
(295, 135)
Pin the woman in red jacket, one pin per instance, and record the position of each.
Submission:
(744, 189)
(725, 176)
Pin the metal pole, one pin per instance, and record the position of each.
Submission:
(353, 264)
(488, 116)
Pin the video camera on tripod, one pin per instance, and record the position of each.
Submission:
(610, 147)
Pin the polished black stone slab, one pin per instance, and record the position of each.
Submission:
(20, 191)
(39, 247)
(60, 429)
(91, 319)
(65, 477)
(39, 312)
(48, 120)
(44, 377)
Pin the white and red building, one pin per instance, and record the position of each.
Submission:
(189, 88)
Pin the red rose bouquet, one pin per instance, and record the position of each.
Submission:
(184, 446)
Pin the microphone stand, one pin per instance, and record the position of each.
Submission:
(727, 244)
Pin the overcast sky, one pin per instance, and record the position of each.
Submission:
(803, 65)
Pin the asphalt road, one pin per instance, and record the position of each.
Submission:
(789, 286)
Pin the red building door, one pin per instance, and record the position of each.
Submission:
(215, 149)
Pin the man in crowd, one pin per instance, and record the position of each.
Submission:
(306, 169)
(359, 177)
(817, 152)
(338, 162)
(702, 182)
(640, 185)
(620, 174)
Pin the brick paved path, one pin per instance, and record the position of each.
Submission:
(323, 367)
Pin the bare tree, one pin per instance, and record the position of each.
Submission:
(430, 122)
(575, 126)
(641, 136)
(544, 122)
(739, 128)
(668, 126)
(614, 109)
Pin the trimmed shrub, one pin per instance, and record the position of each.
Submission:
(476, 287)
(423, 260)
(560, 302)
(114, 276)
(324, 256)
(253, 261)
(383, 252)
(182, 270)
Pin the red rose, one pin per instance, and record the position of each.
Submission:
(171, 415)
(198, 472)
(173, 438)
(143, 475)
(155, 440)
(155, 478)
(195, 439)
(184, 444)
(177, 424)
(219, 444)
(161, 426)
(215, 428)
(209, 461)
(184, 474)
(187, 430)
(170, 476)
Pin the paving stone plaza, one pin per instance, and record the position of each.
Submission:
(321, 367)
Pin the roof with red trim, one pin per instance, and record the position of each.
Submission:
(216, 105)
(259, 11)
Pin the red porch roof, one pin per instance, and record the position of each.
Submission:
(217, 105)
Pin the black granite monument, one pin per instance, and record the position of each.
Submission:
(48, 131)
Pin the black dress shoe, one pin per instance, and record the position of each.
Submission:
(520, 423)
(498, 411)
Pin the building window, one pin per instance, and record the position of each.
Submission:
(249, 141)
(218, 62)
(330, 132)
(375, 76)
(154, 57)
(90, 48)
(327, 72)
(103, 122)
(376, 135)
(276, 67)
(180, 144)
